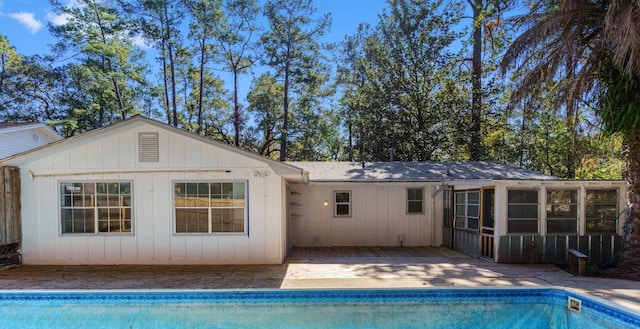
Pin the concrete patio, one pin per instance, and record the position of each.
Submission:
(351, 267)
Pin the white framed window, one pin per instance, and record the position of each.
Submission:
(562, 211)
(96, 207)
(342, 203)
(210, 207)
(467, 206)
(601, 211)
(415, 200)
(522, 211)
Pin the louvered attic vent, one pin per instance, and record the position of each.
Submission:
(148, 149)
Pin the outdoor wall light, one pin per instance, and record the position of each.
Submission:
(325, 203)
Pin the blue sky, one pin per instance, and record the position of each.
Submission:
(24, 22)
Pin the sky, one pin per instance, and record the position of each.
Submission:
(24, 22)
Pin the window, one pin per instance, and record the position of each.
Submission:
(522, 211)
(95, 207)
(210, 207)
(562, 211)
(342, 203)
(601, 211)
(415, 200)
(467, 209)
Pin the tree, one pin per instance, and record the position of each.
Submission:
(394, 76)
(205, 14)
(159, 21)
(594, 46)
(234, 38)
(265, 103)
(487, 19)
(292, 49)
(96, 35)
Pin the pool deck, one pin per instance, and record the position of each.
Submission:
(305, 268)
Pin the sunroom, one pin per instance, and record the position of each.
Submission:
(535, 221)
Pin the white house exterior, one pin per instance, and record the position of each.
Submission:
(483, 209)
(142, 192)
(19, 137)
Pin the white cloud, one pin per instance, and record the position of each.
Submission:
(28, 20)
(57, 20)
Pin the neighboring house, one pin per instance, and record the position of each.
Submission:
(19, 137)
(143, 192)
(484, 209)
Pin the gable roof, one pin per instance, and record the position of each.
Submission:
(7, 127)
(283, 169)
(415, 171)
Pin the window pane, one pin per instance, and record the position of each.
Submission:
(460, 222)
(125, 188)
(414, 194)
(342, 210)
(562, 196)
(460, 197)
(601, 211)
(522, 196)
(342, 196)
(192, 220)
(473, 211)
(522, 226)
(601, 226)
(180, 189)
(522, 211)
(562, 226)
(562, 211)
(602, 196)
(472, 223)
(227, 190)
(238, 190)
(473, 197)
(415, 206)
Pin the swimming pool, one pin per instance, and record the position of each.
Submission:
(384, 308)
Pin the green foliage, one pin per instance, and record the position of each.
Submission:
(400, 95)
(620, 102)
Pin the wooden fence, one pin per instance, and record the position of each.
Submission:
(10, 223)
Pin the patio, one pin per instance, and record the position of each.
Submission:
(341, 267)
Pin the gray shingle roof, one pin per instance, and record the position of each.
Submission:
(416, 171)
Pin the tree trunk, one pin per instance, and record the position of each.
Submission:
(631, 229)
(203, 55)
(236, 109)
(475, 147)
(285, 114)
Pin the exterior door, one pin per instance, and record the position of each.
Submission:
(447, 217)
(487, 222)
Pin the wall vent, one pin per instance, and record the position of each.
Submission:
(574, 304)
(148, 147)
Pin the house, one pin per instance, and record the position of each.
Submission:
(483, 209)
(143, 192)
(19, 137)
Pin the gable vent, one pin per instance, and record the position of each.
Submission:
(148, 148)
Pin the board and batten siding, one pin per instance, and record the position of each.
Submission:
(113, 156)
(378, 216)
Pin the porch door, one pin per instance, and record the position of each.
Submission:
(487, 222)
(447, 217)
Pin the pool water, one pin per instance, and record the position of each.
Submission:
(386, 308)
